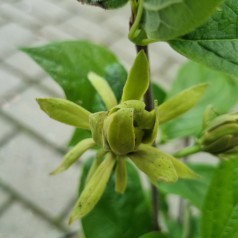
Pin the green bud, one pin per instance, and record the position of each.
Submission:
(221, 134)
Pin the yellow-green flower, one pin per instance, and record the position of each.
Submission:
(125, 131)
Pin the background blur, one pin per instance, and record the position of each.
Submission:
(33, 204)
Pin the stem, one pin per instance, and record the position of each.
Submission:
(188, 151)
(149, 102)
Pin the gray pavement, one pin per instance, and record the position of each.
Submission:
(33, 204)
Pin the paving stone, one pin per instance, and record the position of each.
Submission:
(52, 33)
(22, 223)
(12, 13)
(24, 63)
(15, 35)
(3, 198)
(12, 82)
(45, 11)
(50, 84)
(25, 166)
(81, 28)
(6, 128)
(25, 109)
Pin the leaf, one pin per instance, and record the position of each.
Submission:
(73, 155)
(154, 234)
(65, 111)
(220, 211)
(215, 43)
(69, 62)
(115, 215)
(154, 163)
(180, 103)
(138, 79)
(221, 93)
(192, 190)
(160, 20)
(93, 189)
(158, 93)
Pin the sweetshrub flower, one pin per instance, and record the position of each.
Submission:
(125, 131)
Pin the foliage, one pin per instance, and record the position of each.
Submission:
(104, 103)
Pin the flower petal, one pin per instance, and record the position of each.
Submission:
(73, 155)
(182, 170)
(180, 103)
(104, 90)
(138, 79)
(94, 189)
(121, 175)
(65, 111)
(155, 163)
(119, 131)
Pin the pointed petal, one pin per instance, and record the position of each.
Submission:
(65, 111)
(121, 175)
(119, 131)
(138, 79)
(96, 121)
(180, 103)
(155, 163)
(94, 189)
(73, 155)
(150, 136)
(96, 162)
(182, 170)
(104, 90)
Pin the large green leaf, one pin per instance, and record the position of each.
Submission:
(216, 42)
(168, 19)
(192, 190)
(220, 212)
(68, 63)
(119, 215)
(221, 93)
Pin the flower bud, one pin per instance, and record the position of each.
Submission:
(221, 134)
(123, 128)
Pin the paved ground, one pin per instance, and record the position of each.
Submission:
(33, 204)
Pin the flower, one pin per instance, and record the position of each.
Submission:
(125, 131)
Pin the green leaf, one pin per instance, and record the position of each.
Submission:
(180, 103)
(138, 79)
(154, 234)
(69, 62)
(215, 43)
(220, 211)
(159, 20)
(154, 163)
(221, 93)
(192, 190)
(159, 93)
(65, 111)
(106, 4)
(116, 215)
